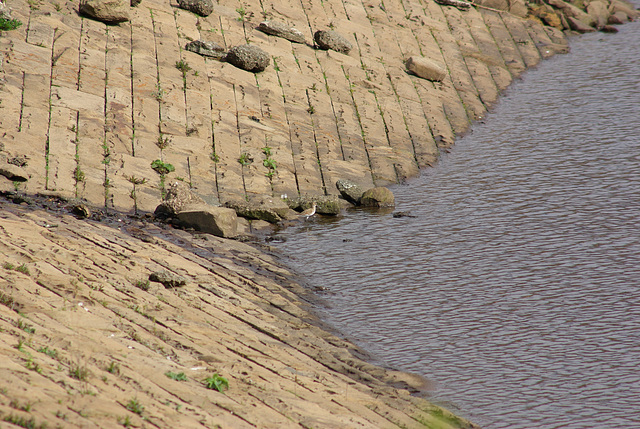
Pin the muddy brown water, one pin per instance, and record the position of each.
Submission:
(516, 286)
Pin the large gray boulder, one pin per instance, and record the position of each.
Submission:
(599, 12)
(220, 221)
(199, 7)
(378, 197)
(266, 208)
(329, 39)
(248, 57)
(206, 49)
(279, 29)
(109, 11)
(325, 204)
(426, 68)
(178, 196)
(349, 190)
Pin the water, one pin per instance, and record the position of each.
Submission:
(516, 287)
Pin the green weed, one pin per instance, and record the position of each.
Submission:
(245, 159)
(178, 377)
(216, 382)
(9, 24)
(135, 407)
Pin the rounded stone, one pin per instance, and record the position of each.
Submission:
(248, 57)
(329, 39)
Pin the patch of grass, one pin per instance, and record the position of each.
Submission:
(114, 368)
(267, 151)
(214, 157)
(24, 407)
(162, 168)
(242, 13)
(269, 163)
(79, 372)
(21, 324)
(23, 422)
(8, 266)
(78, 174)
(183, 66)
(216, 382)
(177, 377)
(19, 345)
(311, 110)
(23, 269)
(163, 142)
(30, 364)
(245, 159)
(52, 353)
(9, 24)
(142, 284)
(135, 407)
(158, 94)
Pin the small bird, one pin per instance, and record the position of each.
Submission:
(309, 212)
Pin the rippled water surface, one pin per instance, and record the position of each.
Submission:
(516, 287)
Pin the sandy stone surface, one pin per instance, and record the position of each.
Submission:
(92, 105)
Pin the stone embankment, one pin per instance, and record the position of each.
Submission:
(115, 114)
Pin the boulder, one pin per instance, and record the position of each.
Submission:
(547, 15)
(168, 279)
(329, 39)
(109, 11)
(426, 68)
(206, 49)
(248, 57)
(609, 29)
(571, 11)
(279, 29)
(350, 191)
(599, 12)
(579, 26)
(266, 208)
(378, 197)
(618, 6)
(618, 18)
(199, 7)
(219, 221)
(325, 204)
(518, 8)
(177, 198)
(13, 172)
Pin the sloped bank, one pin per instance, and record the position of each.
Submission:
(90, 337)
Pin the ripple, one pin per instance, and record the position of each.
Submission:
(516, 287)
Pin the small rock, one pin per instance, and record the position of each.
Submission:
(329, 39)
(248, 57)
(402, 214)
(378, 197)
(579, 26)
(178, 197)
(219, 221)
(350, 191)
(279, 29)
(206, 49)
(266, 208)
(426, 68)
(81, 210)
(168, 279)
(609, 29)
(135, 3)
(13, 173)
(199, 7)
(109, 11)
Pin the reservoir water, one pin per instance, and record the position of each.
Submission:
(516, 286)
